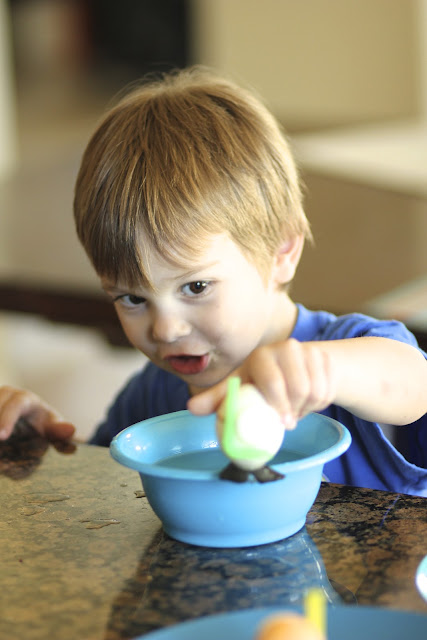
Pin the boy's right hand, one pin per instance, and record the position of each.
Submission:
(295, 378)
(17, 403)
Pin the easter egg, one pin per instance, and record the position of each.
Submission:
(257, 432)
(287, 626)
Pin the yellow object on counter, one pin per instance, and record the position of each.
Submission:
(315, 609)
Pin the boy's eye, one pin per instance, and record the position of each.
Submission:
(196, 287)
(130, 300)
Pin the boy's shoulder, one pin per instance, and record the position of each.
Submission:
(323, 325)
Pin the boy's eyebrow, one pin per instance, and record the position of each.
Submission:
(109, 288)
(112, 288)
(200, 267)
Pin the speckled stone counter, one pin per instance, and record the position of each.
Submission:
(83, 555)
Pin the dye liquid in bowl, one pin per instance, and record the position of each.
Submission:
(213, 460)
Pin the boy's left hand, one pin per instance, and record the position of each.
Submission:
(296, 378)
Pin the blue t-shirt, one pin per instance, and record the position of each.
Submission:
(371, 460)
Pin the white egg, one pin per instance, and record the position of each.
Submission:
(258, 429)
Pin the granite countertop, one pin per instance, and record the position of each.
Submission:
(84, 556)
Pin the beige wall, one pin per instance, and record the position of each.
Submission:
(421, 6)
(317, 62)
(8, 133)
(368, 241)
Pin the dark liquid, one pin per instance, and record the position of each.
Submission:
(214, 460)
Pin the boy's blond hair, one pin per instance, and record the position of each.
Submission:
(176, 160)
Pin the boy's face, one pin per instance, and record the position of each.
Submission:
(203, 320)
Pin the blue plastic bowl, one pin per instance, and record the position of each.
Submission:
(179, 459)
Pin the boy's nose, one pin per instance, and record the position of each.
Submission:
(169, 327)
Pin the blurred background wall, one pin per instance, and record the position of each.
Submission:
(347, 79)
(319, 63)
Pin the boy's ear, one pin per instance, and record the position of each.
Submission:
(287, 258)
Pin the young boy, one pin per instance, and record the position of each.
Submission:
(189, 206)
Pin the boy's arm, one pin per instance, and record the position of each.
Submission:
(377, 379)
(18, 403)
(380, 379)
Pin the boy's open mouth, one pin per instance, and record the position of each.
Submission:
(188, 364)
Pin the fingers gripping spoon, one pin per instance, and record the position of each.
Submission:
(250, 433)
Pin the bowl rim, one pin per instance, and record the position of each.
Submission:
(155, 470)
